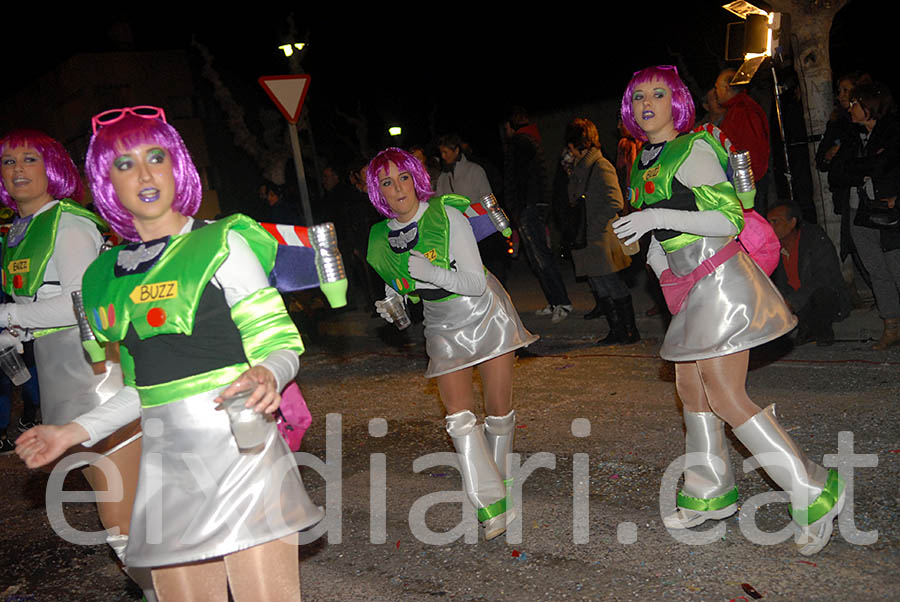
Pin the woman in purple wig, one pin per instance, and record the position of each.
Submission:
(49, 246)
(722, 305)
(426, 251)
(198, 323)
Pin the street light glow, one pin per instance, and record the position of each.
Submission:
(395, 130)
(288, 49)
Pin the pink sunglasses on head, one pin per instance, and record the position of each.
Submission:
(113, 115)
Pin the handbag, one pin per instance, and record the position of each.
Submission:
(293, 416)
(675, 289)
(760, 241)
(876, 214)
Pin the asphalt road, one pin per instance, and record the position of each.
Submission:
(590, 525)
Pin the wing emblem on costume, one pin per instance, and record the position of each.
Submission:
(130, 259)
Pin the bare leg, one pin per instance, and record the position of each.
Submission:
(724, 381)
(456, 391)
(270, 572)
(496, 378)
(127, 461)
(195, 582)
(690, 387)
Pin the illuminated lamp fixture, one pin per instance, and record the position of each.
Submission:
(288, 49)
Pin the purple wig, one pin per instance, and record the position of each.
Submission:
(404, 162)
(63, 180)
(682, 103)
(111, 140)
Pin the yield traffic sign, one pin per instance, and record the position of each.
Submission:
(287, 92)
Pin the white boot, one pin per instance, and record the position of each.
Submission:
(817, 495)
(481, 479)
(140, 575)
(709, 491)
(500, 432)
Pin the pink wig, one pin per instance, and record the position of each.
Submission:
(63, 180)
(682, 103)
(404, 162)
(111, 140)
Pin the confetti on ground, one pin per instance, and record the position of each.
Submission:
(808, 562)
(398, 544)
(613, 476)
(521, 426)
(515, 553)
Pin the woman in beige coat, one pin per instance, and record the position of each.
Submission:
(594, 180)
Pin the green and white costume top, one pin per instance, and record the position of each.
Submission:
(44, 259)
(442, 234)
(46, 262)
(135, 292)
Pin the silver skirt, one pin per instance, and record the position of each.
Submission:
(68, 385)
(734, 308)
(199, 497)
(465, 331)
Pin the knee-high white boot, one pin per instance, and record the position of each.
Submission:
(500, 432)
(481, 479)
(709, 491)
(141, 575)
(817, 494)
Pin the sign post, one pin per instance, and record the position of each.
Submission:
(288, 93)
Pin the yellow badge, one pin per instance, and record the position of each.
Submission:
(158, 291)
(431, 255)
(20, 266)
(651, 173)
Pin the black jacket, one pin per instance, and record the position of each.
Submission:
(818, 267)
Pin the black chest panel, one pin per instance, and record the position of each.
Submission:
(215, 343)
(682, 199)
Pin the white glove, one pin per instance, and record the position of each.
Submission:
(656, 257)
(421, 269)
(702, 223)
(7, 340)
(379, 307)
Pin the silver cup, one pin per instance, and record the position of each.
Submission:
(396, 308)
(248, 426)
(12, 365)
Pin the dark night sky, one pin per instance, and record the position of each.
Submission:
(397, 68)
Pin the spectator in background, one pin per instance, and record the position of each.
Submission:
(871, 166)
(838, 145)
(279, 209)
(525, 195)
(418, 151)
(593, 182)
(808, 275)
(714, 111)
(352, 216)
(747, 126)
(466, 178)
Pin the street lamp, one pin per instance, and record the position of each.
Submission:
(288, 49)
(395, 130)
